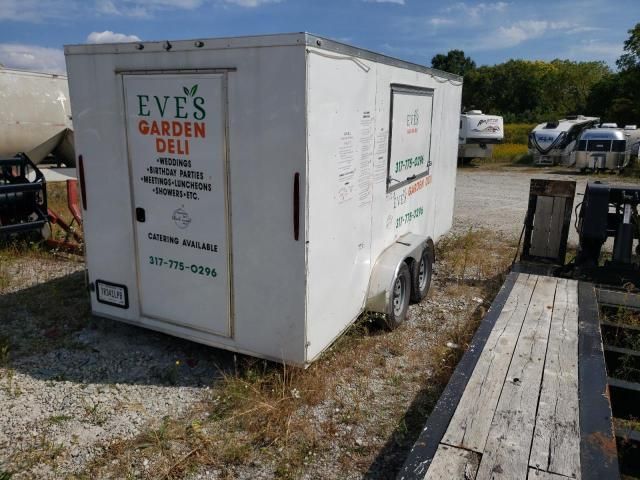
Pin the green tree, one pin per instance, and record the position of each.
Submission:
(453, 62)
(631, 58)
(532, 91)
(616, 98)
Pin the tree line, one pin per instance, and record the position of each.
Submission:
(534, 91)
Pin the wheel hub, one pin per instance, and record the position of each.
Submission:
(422, 274)
(398, 296)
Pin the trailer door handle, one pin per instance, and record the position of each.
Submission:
(141, 215)
(296, 206)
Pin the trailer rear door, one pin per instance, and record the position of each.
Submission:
(176, 136)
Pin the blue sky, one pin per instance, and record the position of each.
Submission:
(32, 32)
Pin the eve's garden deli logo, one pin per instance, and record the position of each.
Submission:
(413, 121)
(179, 107)
(181, 119)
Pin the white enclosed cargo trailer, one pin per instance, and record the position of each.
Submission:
(259, 193)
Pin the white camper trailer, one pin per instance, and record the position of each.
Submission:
(259, 193)
(552, 143)
(606, 148)
(478, 134)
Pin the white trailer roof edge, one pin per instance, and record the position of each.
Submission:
(257, 41)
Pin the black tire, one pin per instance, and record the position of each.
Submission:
(421, 276)
(400, 296)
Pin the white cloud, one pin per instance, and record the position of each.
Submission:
(111, 37)
(140, 8)
(475, 11)
(584, 29)
(250, 3)
(462, 13)
(397, 2)
(37, 11)
(609, 49)
(107, 7)
(34, 10)
(519, 32)
(438, 21)
(146, 8)
(32, 57)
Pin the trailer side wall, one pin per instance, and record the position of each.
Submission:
(355, 211)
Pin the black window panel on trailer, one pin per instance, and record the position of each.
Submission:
(599, 145)
(619, 146)
(573, 134)
(582, 146)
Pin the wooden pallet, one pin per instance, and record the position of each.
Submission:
(529, 398)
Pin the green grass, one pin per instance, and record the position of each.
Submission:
(517, 132)
(58, 419)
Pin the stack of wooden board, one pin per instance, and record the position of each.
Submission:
(528, 399)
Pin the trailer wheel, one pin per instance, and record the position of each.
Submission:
(421, 277)
(400, 294)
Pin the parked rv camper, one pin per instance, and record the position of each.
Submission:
(259, 193)
(606, 148)
(552, 143)
(35, 116)
(478, 134)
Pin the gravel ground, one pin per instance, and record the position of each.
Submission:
(497, 200)
(70, 384)
(64, 403)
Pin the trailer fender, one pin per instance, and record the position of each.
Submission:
(409, 248)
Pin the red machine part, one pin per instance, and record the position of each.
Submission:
(72, 241)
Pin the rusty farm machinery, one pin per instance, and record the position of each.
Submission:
(24, 209)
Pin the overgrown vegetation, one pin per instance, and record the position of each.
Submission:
(627, 367)
(358, 408)
(514, 148)
(517, 133)
(510, 153)
(32, 245)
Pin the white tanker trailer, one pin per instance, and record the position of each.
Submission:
(35, 116)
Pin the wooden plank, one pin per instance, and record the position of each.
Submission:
(555, 228)
(566, 225)
(471, 421)
(553, 188)
(540, 475)
(453, 463)
(556, 439)
(425, 447)
(540, 235)
(618, 298)
(598, 453)
(506, 453)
